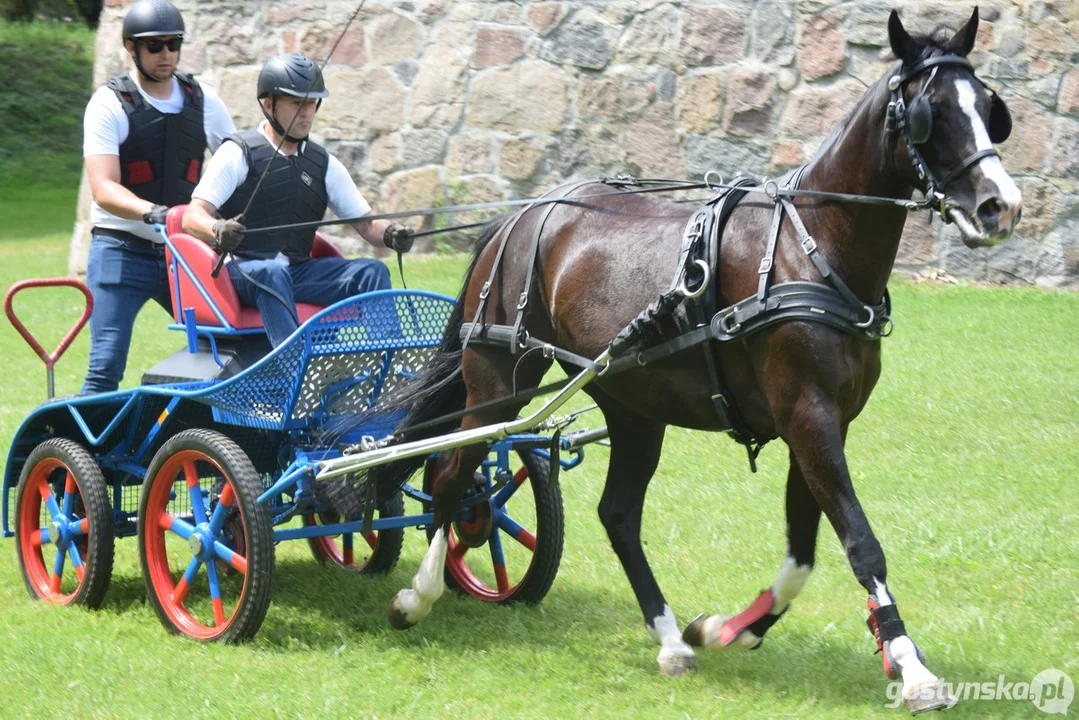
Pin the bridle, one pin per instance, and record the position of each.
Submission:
(916, 123)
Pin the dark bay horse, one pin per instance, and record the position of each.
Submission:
(800, 381)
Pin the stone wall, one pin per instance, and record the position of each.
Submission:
(438, 102)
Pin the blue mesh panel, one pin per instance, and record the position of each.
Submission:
(339, 363)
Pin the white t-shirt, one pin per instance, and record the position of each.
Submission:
(228, 169)
(105, 128)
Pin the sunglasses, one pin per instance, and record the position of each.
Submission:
(154, 46)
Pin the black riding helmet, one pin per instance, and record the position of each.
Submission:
(151, 18)
(295, 75)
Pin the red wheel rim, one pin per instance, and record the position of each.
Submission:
(339, 553)
(175, 594)
(33, 516)
(458, 555)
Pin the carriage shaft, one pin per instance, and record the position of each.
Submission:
(360, 461)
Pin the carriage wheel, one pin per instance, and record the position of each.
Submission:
(199, 513)
(522, 532)
(63, 525)
(376, 552)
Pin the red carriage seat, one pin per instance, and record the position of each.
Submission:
(201, 260)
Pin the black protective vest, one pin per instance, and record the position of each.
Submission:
(161, 159)
(294, 191)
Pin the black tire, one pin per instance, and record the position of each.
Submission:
(215, 458)
(90, 502)
(385, 549)
(534, 585)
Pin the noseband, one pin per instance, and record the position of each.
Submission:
(916, 123)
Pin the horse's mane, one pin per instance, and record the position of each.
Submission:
(932, 44)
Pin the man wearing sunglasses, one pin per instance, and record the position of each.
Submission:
(145, 136)
(273, 271)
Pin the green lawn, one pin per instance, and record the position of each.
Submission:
(966, 460)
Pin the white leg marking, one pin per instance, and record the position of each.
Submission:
(675, 654)
(883, 598)
(903, 652)
(792, 578)
(991, 167)
(905, 656)
(428, 583)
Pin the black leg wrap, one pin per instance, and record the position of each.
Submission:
(889, 624)
(760, 627)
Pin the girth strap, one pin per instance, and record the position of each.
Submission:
(502, 334)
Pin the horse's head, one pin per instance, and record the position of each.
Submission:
(948, 122)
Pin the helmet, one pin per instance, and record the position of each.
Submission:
(150, 18)
(296, 75)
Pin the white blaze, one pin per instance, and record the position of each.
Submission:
(991, 167)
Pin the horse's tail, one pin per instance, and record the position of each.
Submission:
(439, 390)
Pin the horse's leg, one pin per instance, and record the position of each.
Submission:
(488, 374)
(635, 449)
(411, 605)
(813, 432)
(747, 629)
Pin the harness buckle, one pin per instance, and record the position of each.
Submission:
(522, 301)
(809, 245)
(870, 321)
(766, 266)
(485, 290)
(713, 185)
(706, 277)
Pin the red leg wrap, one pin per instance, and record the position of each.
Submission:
(734, 627)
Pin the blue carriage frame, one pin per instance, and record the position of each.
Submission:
(262, 398)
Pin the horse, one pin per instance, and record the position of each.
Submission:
(798, 380)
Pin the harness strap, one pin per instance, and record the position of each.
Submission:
(809, 247)
(764, 273)
(502, 334)
(519, 334)
(962, 167)
(485, 291)
(506, 231)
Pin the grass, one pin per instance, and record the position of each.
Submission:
(965, 459)
(47, 78)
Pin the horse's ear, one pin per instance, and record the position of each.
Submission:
(963, 40)
(904, 47)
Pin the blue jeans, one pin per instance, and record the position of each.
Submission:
(321, 281)
(122, 276)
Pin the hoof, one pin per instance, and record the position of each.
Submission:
(398, 619)
(674, 665)
(713, 632)
(694, 635)
(928, 696)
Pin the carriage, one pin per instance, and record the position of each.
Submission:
(212, 460)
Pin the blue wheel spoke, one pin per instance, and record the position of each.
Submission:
(58, 564)
(182, 528)
(217, 518)
(495, 543)
(69, 501)
(503, 496)
(198, 509)
(215, 586)
(76, 556)
(191, 571)
(514, 530)
(54, 509)
(505, 522)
